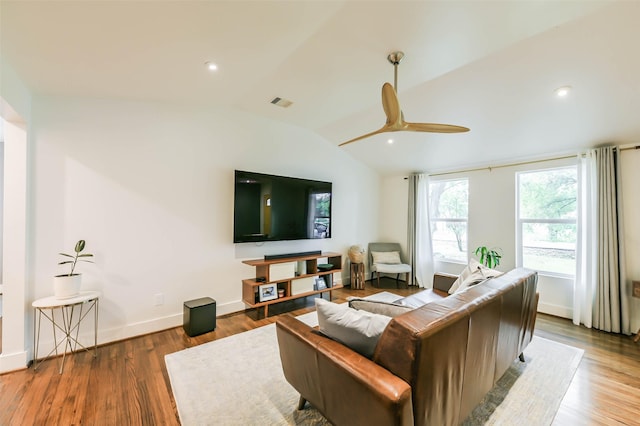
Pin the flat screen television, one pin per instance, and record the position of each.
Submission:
(277, 208)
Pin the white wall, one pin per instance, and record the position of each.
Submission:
(393, 206)
(150, 188)
(492, 223)
(15, 97)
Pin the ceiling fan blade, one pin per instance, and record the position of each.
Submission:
(391, 104)
(395, 117)
(434, 128)
(382, 130)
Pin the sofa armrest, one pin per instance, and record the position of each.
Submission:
(443, 281)
(342, 384)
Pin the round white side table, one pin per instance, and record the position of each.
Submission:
(73, 311)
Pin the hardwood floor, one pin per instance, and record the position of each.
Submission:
(127, 384)
(606, 387)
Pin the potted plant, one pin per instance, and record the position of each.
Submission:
(488, 257)
(68, 285)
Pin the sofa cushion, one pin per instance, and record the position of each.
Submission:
(473, 274)
(359, 330)
(385, 268)
(421, 298)
(388, 257)
(382, 308)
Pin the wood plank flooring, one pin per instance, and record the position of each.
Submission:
(127, 384)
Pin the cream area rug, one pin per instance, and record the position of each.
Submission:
(238, 380)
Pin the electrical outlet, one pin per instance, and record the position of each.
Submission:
(158, 299)
(636, 289)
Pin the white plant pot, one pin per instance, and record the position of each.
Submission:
(66, 286)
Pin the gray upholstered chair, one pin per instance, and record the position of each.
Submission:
(387, 261)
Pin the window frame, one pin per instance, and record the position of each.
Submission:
(520, 222)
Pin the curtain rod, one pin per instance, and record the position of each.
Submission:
(523, 163)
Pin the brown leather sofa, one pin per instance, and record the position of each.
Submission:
(431, 365)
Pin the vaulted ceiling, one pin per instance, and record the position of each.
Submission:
(491, 66)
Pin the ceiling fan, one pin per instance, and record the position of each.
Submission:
(395, 117)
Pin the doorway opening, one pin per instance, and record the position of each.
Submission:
(15, 322)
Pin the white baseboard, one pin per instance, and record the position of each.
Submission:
(138, 329)
(229, 308)
(13, 362)
(555, 310)
(159, 324)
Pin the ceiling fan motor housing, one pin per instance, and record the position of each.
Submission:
(395, 57)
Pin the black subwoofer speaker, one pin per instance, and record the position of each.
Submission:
(199, 316)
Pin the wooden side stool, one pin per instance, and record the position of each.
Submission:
(357, 276)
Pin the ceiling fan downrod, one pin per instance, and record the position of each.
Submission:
(395, 58)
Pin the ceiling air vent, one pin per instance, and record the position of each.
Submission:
(284, 103)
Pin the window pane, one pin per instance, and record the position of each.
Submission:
(548, 194)
(449, 210)
(549, 247)
(449, 240)
(547, 198)
(449, 199)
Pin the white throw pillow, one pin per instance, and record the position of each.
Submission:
(471, 267)
(359, 330)
(388, 257)
(472, 274)
(477, 277)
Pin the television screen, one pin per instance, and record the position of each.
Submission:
(276, 208)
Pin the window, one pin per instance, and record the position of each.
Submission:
(321, 206)
(449, 209)
(547, 227)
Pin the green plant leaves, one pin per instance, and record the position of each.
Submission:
(79, 246)
(488, 257)
(78, 257)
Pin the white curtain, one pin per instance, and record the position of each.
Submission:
(587, 249)
(420, 252)
(601, 292)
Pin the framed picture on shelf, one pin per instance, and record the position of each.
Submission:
(320, 284)
(267, 292)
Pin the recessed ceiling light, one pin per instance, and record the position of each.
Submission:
(211, 66)
(563, 91)
(389, 141)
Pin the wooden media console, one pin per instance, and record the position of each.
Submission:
(279, 280)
